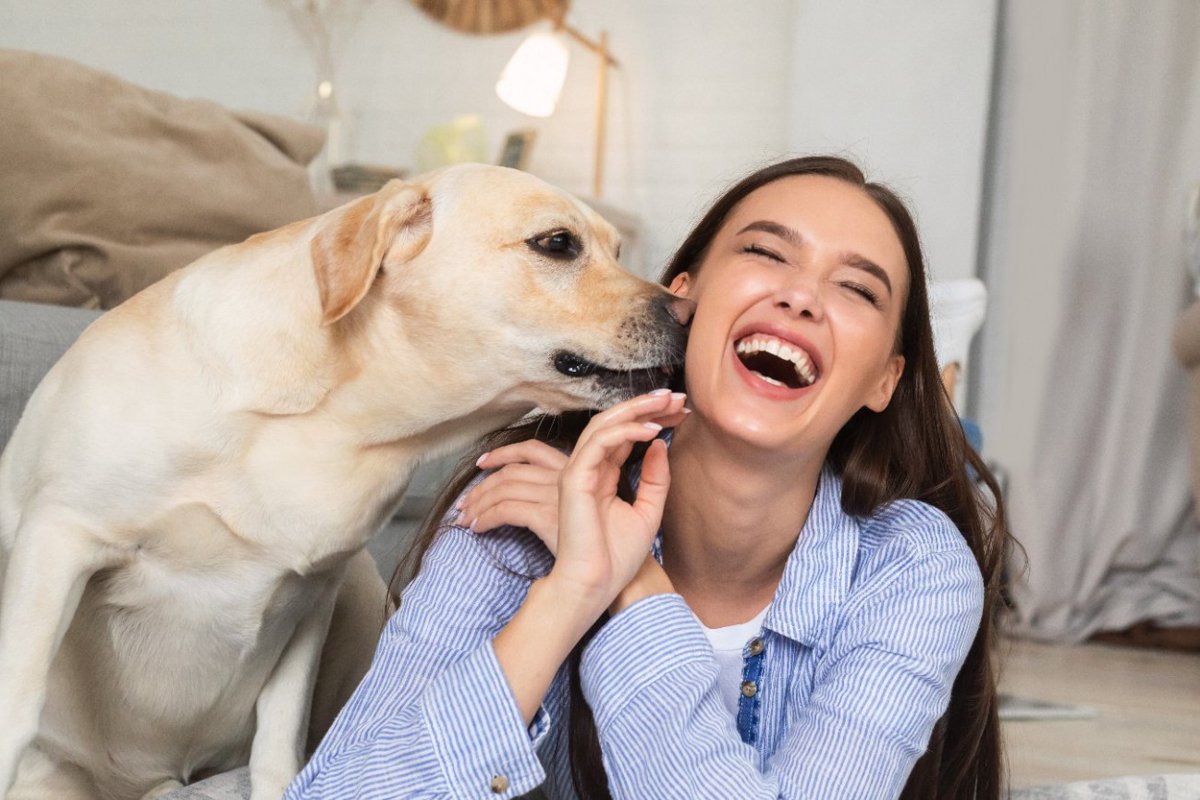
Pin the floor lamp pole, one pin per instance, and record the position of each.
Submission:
(601, 116)
(600, 48)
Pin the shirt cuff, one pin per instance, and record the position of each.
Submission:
(481, 740)
(650, 638)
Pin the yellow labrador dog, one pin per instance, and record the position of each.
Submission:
(192, 485)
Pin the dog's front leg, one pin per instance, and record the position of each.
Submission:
(277, 753)
(49, 566)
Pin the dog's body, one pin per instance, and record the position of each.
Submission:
(191, 486)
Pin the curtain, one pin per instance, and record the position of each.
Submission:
(1095, 143)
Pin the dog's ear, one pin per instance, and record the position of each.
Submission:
(353, 242)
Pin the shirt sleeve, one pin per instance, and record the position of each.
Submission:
(883, 682)
(434, 717)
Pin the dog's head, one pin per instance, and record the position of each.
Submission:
(503, 284)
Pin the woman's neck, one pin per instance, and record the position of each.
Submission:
(731, 522)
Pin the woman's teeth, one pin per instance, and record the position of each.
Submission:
(806, 373)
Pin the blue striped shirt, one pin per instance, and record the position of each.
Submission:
(867, 630)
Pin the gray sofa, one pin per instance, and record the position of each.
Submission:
(32, 337)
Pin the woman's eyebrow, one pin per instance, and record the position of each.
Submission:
(866, 265)
(794, 238)
(775, 229)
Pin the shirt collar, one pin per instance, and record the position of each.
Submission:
(816, 578)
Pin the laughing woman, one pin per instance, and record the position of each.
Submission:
(794, 600)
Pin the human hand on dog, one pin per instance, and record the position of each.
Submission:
(523, 489)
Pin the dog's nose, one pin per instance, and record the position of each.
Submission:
(680, 309)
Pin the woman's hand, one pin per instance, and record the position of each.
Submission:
(601, 539)
(522, 491)
(523, 487)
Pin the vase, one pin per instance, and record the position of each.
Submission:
(327, 113)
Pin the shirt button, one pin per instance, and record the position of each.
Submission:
(499, 784)
(749, 688)
(756, 647)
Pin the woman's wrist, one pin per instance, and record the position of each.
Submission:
(588, 604)
(579, 599)
(649, 580)
(538, 639)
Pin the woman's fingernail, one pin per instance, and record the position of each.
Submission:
(678, 396)
(479, 461)
(660, 392)
(474, 522)
(686, 410)
(458, 520)
(654, 426)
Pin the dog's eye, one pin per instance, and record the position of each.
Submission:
(557, 244)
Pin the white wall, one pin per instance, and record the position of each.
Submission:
(902, 88)
(707, 89)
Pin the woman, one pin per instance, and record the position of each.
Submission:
(781, 606)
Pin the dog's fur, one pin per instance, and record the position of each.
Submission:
(191, 486)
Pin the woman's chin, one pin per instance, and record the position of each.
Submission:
(749, 427)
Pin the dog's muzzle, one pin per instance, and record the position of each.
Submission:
(657, 339)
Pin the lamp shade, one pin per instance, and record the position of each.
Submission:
(534, 76)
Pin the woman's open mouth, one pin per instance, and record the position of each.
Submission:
(776, 361)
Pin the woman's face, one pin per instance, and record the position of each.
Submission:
(798, 302)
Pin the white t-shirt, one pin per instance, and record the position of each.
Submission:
(727, 643)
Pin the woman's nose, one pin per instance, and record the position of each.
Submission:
(800, 297)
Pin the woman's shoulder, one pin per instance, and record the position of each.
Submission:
(915, 594)
(911, 526)
(508, 548)
(511, 549)
(518, 550)
(909, 542)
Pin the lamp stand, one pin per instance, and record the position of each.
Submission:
(601, 116)
(600, 48)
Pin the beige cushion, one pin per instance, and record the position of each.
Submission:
(105, 187)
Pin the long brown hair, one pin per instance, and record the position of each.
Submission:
(915, 448)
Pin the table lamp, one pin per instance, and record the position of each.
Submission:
(533, 79)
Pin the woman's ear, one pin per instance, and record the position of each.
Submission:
(681, 284)
(882, 395)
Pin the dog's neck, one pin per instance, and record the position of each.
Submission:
(367, 378)
(389, 390)
(377, 415)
